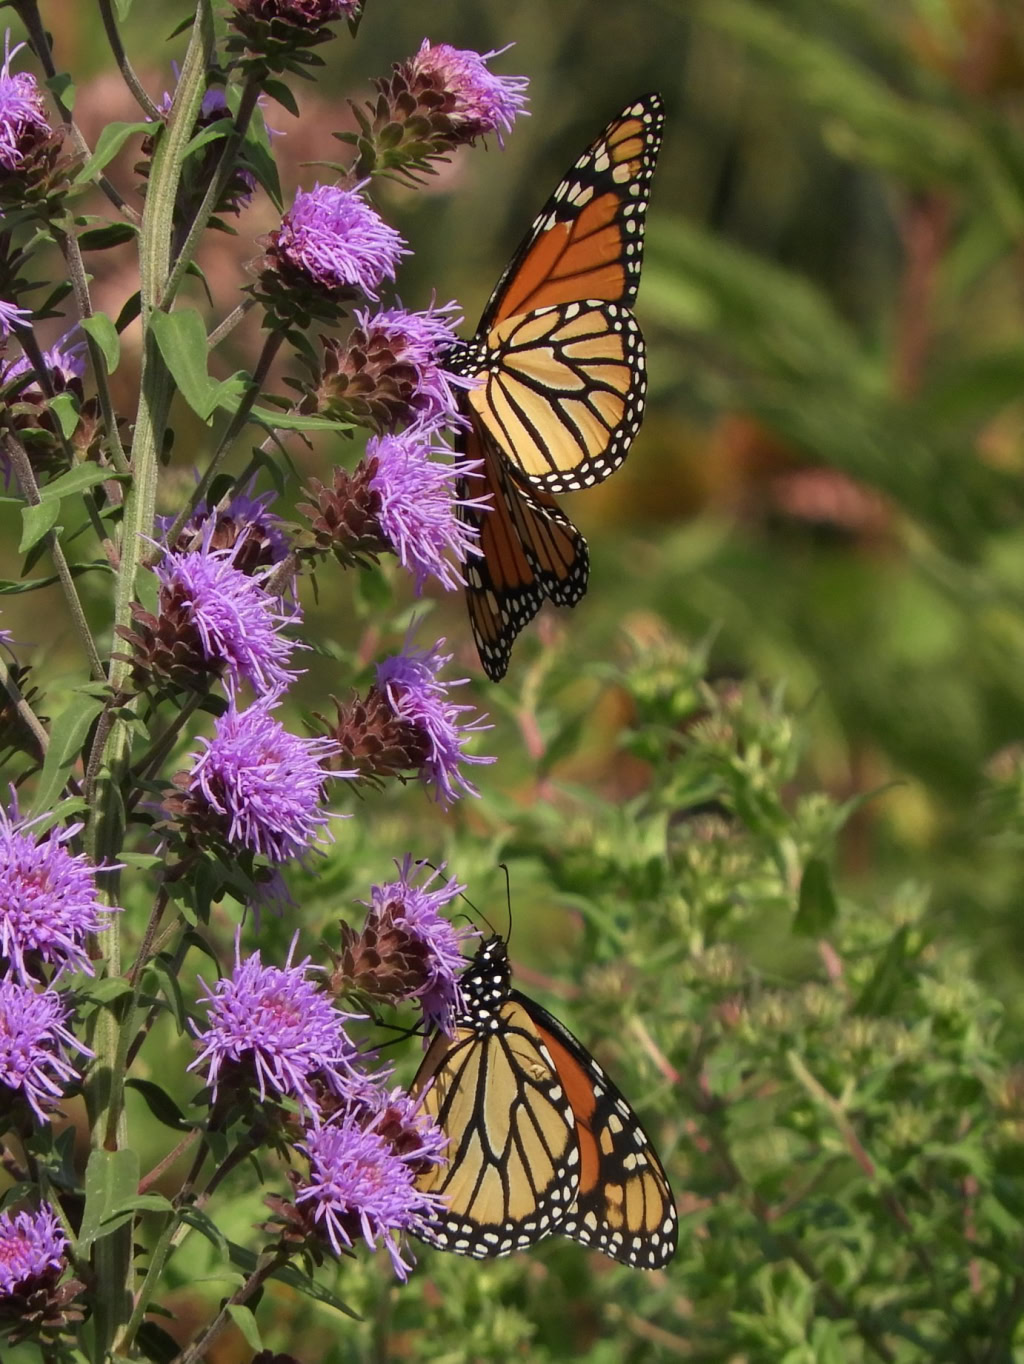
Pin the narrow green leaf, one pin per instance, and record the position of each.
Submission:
(887, 979)
(104, 333)
(67, 735)
(156, 1344)
(150, 1202)
(111, 1179)
(11, 587)
(160, 1104)
(76, 480)
(64, 407)
(294, 421)
(63, 89)
(105, 237)
(36, 521)
(108, 144)
(245, 1321)
(105, 991)
(817, 909)
(181, 338)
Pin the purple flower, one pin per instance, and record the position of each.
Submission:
(419, 503)
(238, 623)
(65, 365)
(22, 110)
(33, 1036)
(12, 316)
(334, 237)
(280, 1026)
(416, 910)
(265, 784)
(416, 694)
(48, 900)
(244, 518)
(32, 1246)
(484, 102)
(418, 340)
(363, 1183)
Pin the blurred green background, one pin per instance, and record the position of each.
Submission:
(828, 480)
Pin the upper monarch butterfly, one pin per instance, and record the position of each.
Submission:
(539, 1139)
(561, 360)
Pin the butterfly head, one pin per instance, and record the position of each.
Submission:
(485, 983)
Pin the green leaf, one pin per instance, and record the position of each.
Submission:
(295, 421)
(63, 89)
(245, 1321)
(150, 1202)
(817, 910)
(12, 587)
(160, 1104)
(247, 1261)
(111, 1180)
(887, 979)
(105, 237)
(168, 979)
(67, 735)
(64, 406)
(201, 1222)
(277, 90)
(156, 1344)
(108, 144)
(181, 338)
(105, 991)
(76, 480)
(36, 522)
(104, 333)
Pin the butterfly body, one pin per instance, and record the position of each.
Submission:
(540, 1140)
(560, 362)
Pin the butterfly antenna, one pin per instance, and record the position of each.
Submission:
(508, 899)
(478, 912)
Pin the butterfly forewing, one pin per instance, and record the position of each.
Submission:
(587, 241)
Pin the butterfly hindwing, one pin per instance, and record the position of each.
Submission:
(529, 550)
(539, 1139)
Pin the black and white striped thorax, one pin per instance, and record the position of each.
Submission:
(486, 985)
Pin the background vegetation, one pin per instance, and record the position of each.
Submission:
(782, 903)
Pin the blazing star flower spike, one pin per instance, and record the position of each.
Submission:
(418, 506)
(12, 316)
(279, 1026)
(32, 1246)
(238, 623)
(483, 102)
(262, 786)
(65, 366)
(409, 928)
(360, 1186)
(338, 241)
(49, 903)
(245, 525)
(33, 1036)
(407, 348)
(23, 120)
(411, 683)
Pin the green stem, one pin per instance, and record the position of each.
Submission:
(197, 1350)
(26, 477)
(221, 176)
(123, 64)
(24, 711)
(112, 1260)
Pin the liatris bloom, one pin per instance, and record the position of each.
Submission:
(246, 526)
(32, 1247)
(23, 122)
(33, 1035)
(12, 316)
(407, 949)
(410, 681)
(482, 102)
(258, 786)
(65, 369)
(275, 1027)
(49, 904)
(334, 241)
(214, 619)
(399, 499)
(199, 169)
(361, 1184)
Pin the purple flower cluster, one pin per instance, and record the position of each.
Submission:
(416, 909)
(266, 784)
(22, 110)
(49, 904)
(238, 622)
(65, 365)
(249, 516)
(419, 502)
(33, 1036)
(362, 1175)
(410, 680)
(32, 1246)
(334, 237)
(484, 102)
(419, 340)
(12, 316)
(280, 1026)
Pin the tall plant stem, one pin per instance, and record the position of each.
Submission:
(112, 1263)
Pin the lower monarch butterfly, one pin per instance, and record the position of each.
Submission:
(539, 1139)
(560, 360)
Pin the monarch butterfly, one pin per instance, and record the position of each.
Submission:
(561, 363)
(539, 1139)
